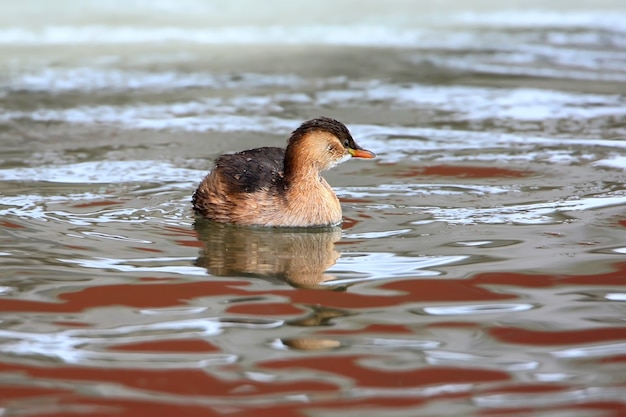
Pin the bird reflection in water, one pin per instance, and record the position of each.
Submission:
(299, 257)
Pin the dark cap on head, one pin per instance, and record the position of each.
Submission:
(326, 124)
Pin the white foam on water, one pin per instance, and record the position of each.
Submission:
(103, 172)
(616, 161)
(424, 189)
(537, 213)
(69, 345)
(90, 79)
(609, 20)
(60, 207)
(472, 309)
(135, 265)
(391, 143)
(225, 114)
(487, 65)
(524, 104)
(381, 265)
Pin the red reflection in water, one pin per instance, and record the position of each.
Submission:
(12, 393)
(173, 381)
(618, 407)
(526, 388)
(190, 243)
(144, 249)
(10, 225)
(614, 359)
(97, 204)
(159, 294)
(155, 294)
(168, 346)
(544, 280)
(348, 223)
(180, 231)
(152, 295)
(118, 407)
(265, 309)
(461, 172)
(374, 377)
(408, 291)
(593, 408)
(76, 247)
(555, 337)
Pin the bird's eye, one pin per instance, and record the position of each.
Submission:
(346, 143)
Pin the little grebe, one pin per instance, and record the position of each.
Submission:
(280, 187)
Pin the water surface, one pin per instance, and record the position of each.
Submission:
(480, 267)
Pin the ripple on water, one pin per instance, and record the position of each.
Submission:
(97, 347)
(441, 357)
(90, 79)
(353, 267)
(599, 351)
(486, 243)
(464, 310)
(444, 294)
(550, 398)
(540, 213)
(136, 265)
(105, 172)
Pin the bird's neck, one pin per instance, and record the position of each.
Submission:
(299, 168)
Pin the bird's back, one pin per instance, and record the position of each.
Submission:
(242, 187)
(252, 170)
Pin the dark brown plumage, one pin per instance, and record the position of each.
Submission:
(252, 170)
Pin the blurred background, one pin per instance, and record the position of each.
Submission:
(122, 62)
